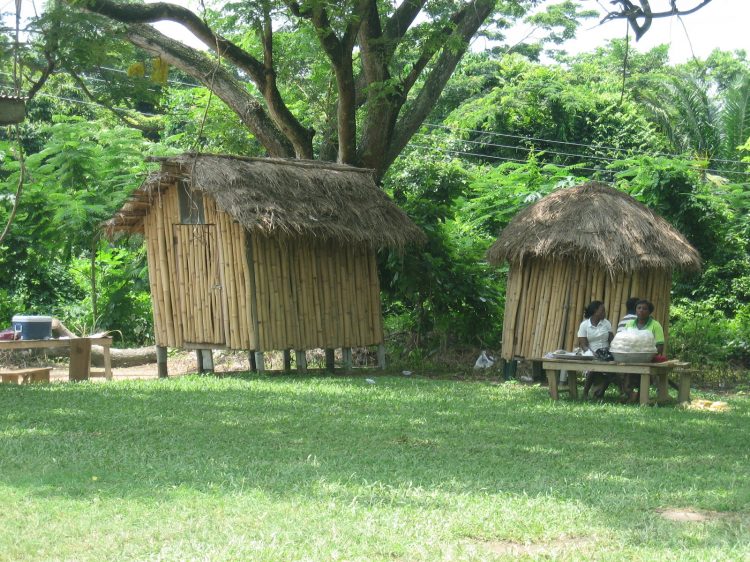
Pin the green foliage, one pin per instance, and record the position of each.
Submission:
(444, 293)
(703, 335)
(123, 300)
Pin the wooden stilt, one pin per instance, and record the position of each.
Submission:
(346, 354)
(259, 362)
(287, 360)
(330, 360)
(251, 361)
(381, 356)
(161, 361)
(208, 360)
(301, 361)
(199, 360)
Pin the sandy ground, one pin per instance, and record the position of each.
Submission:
(178, 364)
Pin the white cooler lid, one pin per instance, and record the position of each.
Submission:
(31, 319)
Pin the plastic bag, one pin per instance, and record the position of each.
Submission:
(484, 361)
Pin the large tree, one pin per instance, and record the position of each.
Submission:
(389, 63)
(389, 60)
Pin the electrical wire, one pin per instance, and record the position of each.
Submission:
(568, 143)
(491, 157)
(583, 156)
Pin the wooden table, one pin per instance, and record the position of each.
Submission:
(80, 353)
(646, 370)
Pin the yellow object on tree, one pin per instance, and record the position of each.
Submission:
(137, 70)
(160, 71)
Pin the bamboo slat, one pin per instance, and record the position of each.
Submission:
(377, 306)
(164, 272)
(228, 290)
(171, 216)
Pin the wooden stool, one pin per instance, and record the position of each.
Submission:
(26, 376)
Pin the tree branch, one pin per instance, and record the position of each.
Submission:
(634, 13)
(261, 75)
(468, 21)
(161, 11)
(213, 76)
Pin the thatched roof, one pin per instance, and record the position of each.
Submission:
(282, 197)
(594, 223)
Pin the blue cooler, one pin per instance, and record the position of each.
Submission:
(33, 327)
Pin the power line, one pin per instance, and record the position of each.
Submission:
(584, 156)
(517, 161)
(592, 146)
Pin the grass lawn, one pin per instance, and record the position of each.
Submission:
(334, 468)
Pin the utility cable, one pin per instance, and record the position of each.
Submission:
(568, 143)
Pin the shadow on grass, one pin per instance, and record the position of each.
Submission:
(323, 436)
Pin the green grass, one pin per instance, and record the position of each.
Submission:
(292, 468)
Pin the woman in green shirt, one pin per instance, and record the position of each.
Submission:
(643, 321)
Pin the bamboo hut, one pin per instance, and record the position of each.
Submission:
(584, 243)
(263, 254)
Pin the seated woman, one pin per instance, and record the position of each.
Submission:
(643, 321)
(595, 333)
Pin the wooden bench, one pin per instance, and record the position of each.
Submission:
(79, 349)
(25, 376)
(660, 371)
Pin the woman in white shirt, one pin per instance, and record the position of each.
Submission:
(595, 333)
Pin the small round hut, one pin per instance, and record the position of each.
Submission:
(584, 243)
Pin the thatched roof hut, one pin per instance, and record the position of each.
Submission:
(274, 196)
(263, 254)
(590, 242)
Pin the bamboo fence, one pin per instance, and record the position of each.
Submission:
(216, 285)
(545, 300)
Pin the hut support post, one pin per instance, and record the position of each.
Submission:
(330, 360)
(537, 373)
(208, 360)
(287, 360)
(509, 371)
(199, 360)
(346, 354)
(251, 360)
(161, 361)
(259, 363)
(301, 361)
(381, 355)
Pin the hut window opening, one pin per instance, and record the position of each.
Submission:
(191, 204)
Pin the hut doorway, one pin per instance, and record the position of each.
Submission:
(202, 299)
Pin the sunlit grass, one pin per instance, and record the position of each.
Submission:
(292, 468)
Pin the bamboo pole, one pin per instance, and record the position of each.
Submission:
(251, 273)
(377, 309)
(343, 286)
(240, 292)
(528, 295)
(173, 217)
(261, 276)
(153, 274)
(512, 297)
(335, 336)
(164, 272)
(226, 280)
(527, 324)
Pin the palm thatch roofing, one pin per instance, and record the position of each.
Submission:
(271, 196)
(594, 223)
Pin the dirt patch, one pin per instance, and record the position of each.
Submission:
(178, 364)
(688, 515)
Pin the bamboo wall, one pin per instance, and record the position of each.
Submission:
(545, 301)
(214, 285)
